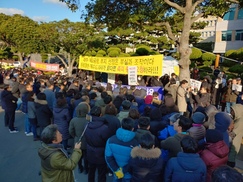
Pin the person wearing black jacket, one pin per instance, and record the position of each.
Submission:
(9, 104)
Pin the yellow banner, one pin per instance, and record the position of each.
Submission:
(146, 65)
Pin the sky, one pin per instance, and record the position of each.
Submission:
(41, 10)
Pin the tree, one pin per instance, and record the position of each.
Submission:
(130, 13)
(21, 34)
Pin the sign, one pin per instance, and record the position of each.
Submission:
(237, 87)
(195, 84)
(111, 78)
(44, 66)
(132, 75)
(149, 90)
(146, 65)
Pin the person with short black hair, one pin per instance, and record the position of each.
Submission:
(55, 163)
(9, 104)
(226, 174)
(146, 163)
(96, 135)
(172, 144)
(118, 148)
(187, 166)
(143, 128)
(126, 105)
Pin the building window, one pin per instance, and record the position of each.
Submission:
(239, 35)
(230, 14)
(240, 14)
(226, 35)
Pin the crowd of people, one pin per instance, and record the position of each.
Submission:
(189, 135)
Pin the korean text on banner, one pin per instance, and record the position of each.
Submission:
(44, 66)
(146, 65)
(132, 75)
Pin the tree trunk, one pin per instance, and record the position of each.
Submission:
(70, 66)
(184, 49)
(19, 54)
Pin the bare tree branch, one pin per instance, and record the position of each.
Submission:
(196, 4)
(62, 61)
(175, 5)
(169, 30)
(196, 17)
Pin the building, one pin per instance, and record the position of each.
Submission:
(208, 33)
(229, 31)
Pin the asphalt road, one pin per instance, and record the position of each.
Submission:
(19, 161)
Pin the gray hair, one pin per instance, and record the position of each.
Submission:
(49, 134)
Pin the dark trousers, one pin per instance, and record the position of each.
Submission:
(83, 158)
(102, 169)
(10, 118)
(33, 126)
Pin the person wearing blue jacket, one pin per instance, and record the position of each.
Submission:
(118, 149)
(187, 166)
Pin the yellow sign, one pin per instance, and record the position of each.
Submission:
(146, 65)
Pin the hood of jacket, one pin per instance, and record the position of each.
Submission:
(47, 149)
(210, 109)
(238, 110)
(59, 109)
(219, 148)
(5, 93)
(153, 153)
(82, 109)
(208, 79)
(96, 122)
(222, 121)
(156, 115)
(188, 161)
(42, 102)
(124, 135)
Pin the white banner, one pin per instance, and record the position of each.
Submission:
(132, 75)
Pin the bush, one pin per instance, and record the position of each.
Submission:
(196, 53)
(102, 52)
(237, 68)
(99, 55)
(228, 63)
(124, 55)
(113, 53)
(208, 57)
(230, 53)
(114, 49)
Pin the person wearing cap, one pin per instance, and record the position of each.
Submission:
(126, 105)
(197, 131)
(215, 153)
(9, 104)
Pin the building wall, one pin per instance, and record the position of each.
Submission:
(226, 31)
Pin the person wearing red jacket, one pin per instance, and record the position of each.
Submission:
(215, 153)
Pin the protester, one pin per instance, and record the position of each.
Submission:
(118, 148)
(181, 96)
(55, 163)
(187, 166)
(146, 161)
(215, 153)
(9, 104)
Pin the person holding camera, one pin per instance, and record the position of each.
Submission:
(56, 165)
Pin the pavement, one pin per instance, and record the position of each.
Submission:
(19, 160)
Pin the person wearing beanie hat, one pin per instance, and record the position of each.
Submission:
(148, 101)
(216, 151)
(76, 128)
(197, 131)
(222, 123)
